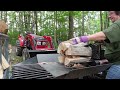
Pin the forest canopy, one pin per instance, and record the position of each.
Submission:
(60, 25)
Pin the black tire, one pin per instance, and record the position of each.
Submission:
(19, 49)
(25, 54)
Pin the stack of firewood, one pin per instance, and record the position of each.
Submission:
(72, 55)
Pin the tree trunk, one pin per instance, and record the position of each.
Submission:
(107, 20)
(83, 15)
(20, 22)
(101, 24)
(5, 16)
(35, 17)
(70, 34)
(55, 28)
(40, 20)
(1, 14)
(28, 20)
(32, 22)
(25, 21)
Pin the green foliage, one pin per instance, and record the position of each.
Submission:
(13, 37)
(51, 22)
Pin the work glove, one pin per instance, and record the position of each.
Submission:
(78, 40)
(105, 61)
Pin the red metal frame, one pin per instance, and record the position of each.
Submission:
(31, 37)
(21, 39)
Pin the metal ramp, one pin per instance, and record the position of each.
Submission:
(28, 71)
(50, 65)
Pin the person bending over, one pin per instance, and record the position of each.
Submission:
(111, 37)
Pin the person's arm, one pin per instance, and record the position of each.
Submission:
(112, 34)
(100, 36)
(96, 37)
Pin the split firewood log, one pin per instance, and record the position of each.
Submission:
(72, 54)
(3, 27)
(61, 59)
(63, 46)
(5, 63)
(78, 66)
(68, 61)
(66, 48)
(79, 49)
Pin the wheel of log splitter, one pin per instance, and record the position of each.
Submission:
(25, 54)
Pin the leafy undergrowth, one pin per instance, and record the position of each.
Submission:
(13, 58)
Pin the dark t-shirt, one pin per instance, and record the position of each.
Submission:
(112, 50)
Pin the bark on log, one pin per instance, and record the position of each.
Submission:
(71, 61)
(3, 27)
(63, 46)
(79, 49)
(66, 48)
(72, 54)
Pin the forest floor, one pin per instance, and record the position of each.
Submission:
(13, 58)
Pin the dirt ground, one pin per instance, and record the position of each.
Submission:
(13, 58)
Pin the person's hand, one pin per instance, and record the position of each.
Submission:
(103, 61)
(77, 40)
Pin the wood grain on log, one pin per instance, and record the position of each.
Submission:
(5, 63)
(61, 59)
(3, 27)
(69, 61)
(78, 66)
(78, 50)
(73, 54)
(63, 46)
